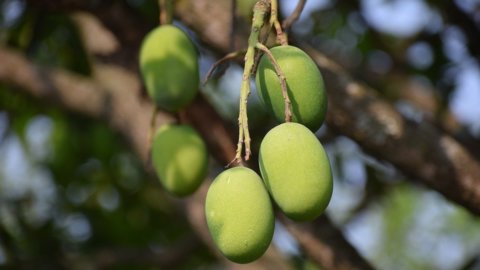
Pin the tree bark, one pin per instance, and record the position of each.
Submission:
(418, 149)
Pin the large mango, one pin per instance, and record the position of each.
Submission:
(239, 214)
(180, 158)
(296, 171)
(304, 83)
(169, 67)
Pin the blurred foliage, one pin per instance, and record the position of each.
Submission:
(50, 39)
(102, 197)
(70, 188)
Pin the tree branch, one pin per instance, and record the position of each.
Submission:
(417, 149)
(129, 114)
(321, 234)
(295, 15)
(420, 150)
(111, 96)
(107, 258)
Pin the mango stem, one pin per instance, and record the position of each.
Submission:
(281, 37)
(260, 11)
(283, 81)
(151, 132)
(166, 11)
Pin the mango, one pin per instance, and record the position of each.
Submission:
(169, 67)
(239, 214)
(304, 86)
(296, 171)
(180, 158)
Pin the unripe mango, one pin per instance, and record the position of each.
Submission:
(305, 87)
(296, 171)
(180, 158)
(239, 214)
(169, 66)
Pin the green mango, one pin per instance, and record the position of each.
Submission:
(180, 158)
(296, 171)
(239, 215)
(305, 87)
(169, 67)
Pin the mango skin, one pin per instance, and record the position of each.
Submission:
(169, 67)
(239, 215)
(296, 171)
(180, 159)
(304, 86)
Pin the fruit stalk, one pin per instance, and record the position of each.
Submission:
(283, 81)
(166, 11)
(259, 12)
(282, 39)
(151, 131)
(165, 17)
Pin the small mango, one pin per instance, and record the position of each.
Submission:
(169, 67)
(239, 214)
(305, 87)
(296, 171)
(180, 158)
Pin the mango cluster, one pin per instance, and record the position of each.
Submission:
(169, 68)
(293, 163)
(294, 167)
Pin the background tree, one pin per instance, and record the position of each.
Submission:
(402, 132)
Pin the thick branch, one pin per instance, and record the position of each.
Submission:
(418, 149)
(85, 96)
(119, 104)
(326, 238)
(111, 96)
(107, 258)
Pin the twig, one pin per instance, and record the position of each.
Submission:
(166, 11)
(227, 57)
(259, 11)
(263, 40)
(233, 14)
(181, 117)
(283, 82)
(151, 133)
(295, 15)
(282, 39)
(273, 22)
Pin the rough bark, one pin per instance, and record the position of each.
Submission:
(327, 235)
(416, 148)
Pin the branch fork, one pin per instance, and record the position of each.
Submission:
(254, 50)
